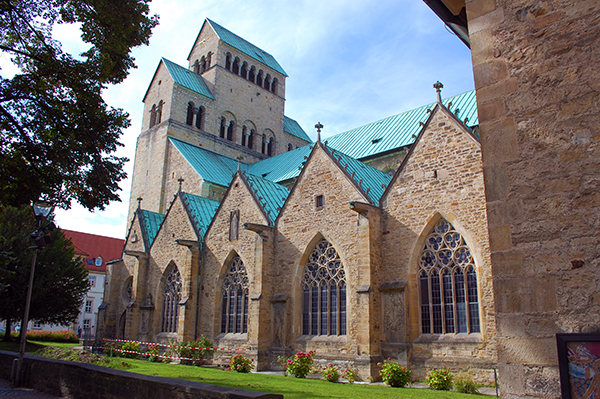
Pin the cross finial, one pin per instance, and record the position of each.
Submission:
(139, 200)
(318, 126)
(180, 180)
(239, 158)
(438, 86)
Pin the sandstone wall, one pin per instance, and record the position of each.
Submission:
(441, 178)
(536, 67)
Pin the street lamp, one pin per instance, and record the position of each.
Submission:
(41, 210)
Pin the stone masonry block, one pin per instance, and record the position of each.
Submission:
(507, 263)
(500, 238)
(477, 8)
(486, 21)
(501, 141)
(490, 72)
(533, 351)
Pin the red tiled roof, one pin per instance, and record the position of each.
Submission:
(90, 246)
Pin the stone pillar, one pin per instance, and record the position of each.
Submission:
(133, 315)
(537, 66)
(188, 307)
(368, 299)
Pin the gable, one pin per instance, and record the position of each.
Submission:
(270, 196)
(188, 79)
(201, 211)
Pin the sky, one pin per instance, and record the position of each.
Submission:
(350, 62)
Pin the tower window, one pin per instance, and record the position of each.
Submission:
(236, 66)
(228, 61)
(200, 118)
(222, 128)
(231, 131)
(190, 114)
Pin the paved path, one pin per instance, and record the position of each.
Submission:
(22, 393)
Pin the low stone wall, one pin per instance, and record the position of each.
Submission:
(78, 380)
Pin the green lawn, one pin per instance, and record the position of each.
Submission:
(290, 387)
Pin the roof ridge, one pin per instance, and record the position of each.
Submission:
(188, 79)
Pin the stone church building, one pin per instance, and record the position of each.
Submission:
(370, 244)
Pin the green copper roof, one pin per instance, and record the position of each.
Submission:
(270, 195)
(202, 211)
(150, 223)
(246, 47)
(292, 127)
(399, 130)
(211, 166)
(281, 167)
(372, 181)
(188, 79)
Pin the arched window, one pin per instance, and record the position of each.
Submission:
(231, 131)
(259, 78)
(228, 61)
(159, 111)
(244, 132)
(153, 115)
(236, 66)
(201, 118)
(244, 70)
(263, 148)
(271, 146)
(222, 128)
(290, 147)
(202, 64)
(190, 114)
(234, 302)
(324, 292)
(208, 59)
(252, 74)
(274, 86)
(196, 67)
(447, 283)
(251, 139)
(172, 297)
(267, 83)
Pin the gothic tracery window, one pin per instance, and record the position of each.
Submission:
(324, 292)
(234, 303)
(171, 299)
(447, 283)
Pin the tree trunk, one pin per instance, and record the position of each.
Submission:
(7, 331)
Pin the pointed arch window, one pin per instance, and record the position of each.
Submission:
(448, 283)
(324, 292)
(234, 300)
(171, 299)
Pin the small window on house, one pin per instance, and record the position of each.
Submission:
(37, 325)
(234, 222)
(190, 114)
(319, 201)
(200, 118)
(222, 128)
(228, 61)
(99, 261)
(90, 262)
(230, 131)
(87, 323)
(236, 66)
(88, 306)
(92, 281)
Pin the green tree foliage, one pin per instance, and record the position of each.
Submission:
(58, 136)
(61, 280)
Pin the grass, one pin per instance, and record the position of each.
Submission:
(290, 387)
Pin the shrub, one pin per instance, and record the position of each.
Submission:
(465, 385)
(350, 375)
(330, 373)
(241, 364)
(440, 380)
(52, 336)
(300, 364)
(194, 350)
(394, 374)
(133, 347)
(153, 353)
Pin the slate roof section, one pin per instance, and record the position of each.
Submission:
(292, 127)
(399, 130)
(202, 210)
(211, 166)
(372, 181)
(246, 47)
(92, 246)
(188, 79)
(150, 223)
(271, 195)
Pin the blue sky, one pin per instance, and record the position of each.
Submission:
(350, 62)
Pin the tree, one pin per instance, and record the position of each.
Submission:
(57, 135)
(60, 280)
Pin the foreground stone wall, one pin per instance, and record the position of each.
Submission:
(536, 67)
(78, 380)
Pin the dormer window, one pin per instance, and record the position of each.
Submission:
(99, 261)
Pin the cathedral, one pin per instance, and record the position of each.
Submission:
(370, 244)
